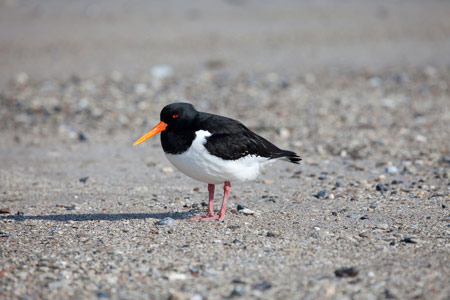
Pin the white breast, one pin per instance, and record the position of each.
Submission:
(199, 164)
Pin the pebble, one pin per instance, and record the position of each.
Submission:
(247, 211)
(103, 294)
(381, 188)
(321, 194)
(353, 215)
(364, 234)
(177, 296)
(82, 137)
(383, 226)
(84, 179)
(272, 234)
(5, 210)
(263, 286)
(162, 72)
(412, 240)
(176, 276)
(23, 275)
(396, 182)
(346, 272)
(446, 159)
(238, 291)
(421, 138)
(58, 284)
(284, 133)
(166, 221)
(391, 170)
(196, 297)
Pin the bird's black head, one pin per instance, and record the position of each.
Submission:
(175, 117)
(178, 115)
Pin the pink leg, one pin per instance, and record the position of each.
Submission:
(226, 193)
(211, 200)
(221, 215)
(210, 204)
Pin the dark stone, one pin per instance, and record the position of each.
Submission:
(271, 234)
(238, 281)
(381, 188)
(321, 194)
(396, 181)
(346, 272)
(284, 83)
(263, 286)
(238, 291)
(388, 294)
(84, 179)
(409, 240)
(446, 159)
(4, 234)
(102, 294)
(82, 137)
(437, 195)
(5, 210)
(233, 227)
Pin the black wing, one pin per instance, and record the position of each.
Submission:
(231, 140)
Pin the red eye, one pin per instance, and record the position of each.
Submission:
(174, 116)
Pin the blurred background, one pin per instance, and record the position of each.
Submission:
(52, 38)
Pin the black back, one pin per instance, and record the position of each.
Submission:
(230, 139)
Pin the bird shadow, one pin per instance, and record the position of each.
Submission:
(102, 217)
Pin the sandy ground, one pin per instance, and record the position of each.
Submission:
(360, 90)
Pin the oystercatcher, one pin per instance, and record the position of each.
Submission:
(213, 149)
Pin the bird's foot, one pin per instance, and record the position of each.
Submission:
(208, 218)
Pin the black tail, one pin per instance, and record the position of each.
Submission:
(288, 156)
(294, 158)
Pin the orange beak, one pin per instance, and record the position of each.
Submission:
(157, 129)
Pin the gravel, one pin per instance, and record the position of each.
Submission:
(96, 218)
(84, 214)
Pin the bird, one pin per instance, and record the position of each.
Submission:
(213, 149)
